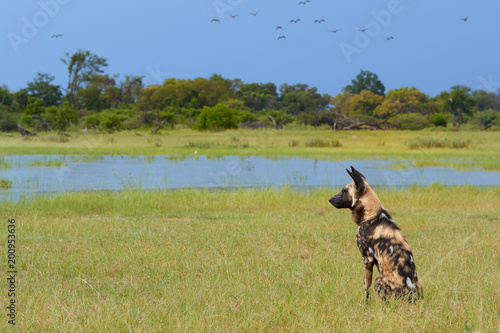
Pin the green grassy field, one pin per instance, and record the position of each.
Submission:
(246, 261)
(461, 150)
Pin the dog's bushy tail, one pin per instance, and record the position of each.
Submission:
(387, 289)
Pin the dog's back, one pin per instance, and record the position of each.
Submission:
(382, 243)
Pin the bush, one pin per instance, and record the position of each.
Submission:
(93, 121)
(7, 122)
(60, 118)
(111, 123)
(439, 119)
(487, 119)
(216, 118)
(409, 121)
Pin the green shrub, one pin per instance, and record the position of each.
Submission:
(7, 122)
(61, 117)
(439, 119)
(486, 119)
(409, 121)
(111, 123)
(93, 121)
(216, 118)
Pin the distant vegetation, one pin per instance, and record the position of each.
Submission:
(95, 101)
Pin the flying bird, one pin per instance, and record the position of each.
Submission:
(57, 36)
(363, 30)
(233, 16)
(215, 20)
(336, 30)
(319, 21)
(255, 14)
(294, 21)
(281, 37)
(389, 38)
(465, 19)
(279, 27)
(304, 2)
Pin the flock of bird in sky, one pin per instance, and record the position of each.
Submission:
(319, 21)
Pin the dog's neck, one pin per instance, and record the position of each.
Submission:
(367, 207)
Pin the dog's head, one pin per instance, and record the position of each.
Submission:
(350, 194)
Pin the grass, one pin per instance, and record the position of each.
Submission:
(247, 261)
(343, 145)
(51, 163)
(432, 142)
(5, 184)
(4, 165)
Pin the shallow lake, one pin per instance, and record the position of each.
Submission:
(44, 174)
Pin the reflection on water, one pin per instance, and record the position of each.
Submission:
(35, 174)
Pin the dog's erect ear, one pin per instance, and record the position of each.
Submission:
(359, 179)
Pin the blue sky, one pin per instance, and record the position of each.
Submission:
(432, 48)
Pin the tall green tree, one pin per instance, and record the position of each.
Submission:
(486, 100)
(259, 96)
(42, 88)
(300, 98)
(366, 80)
(131, 89)
(6, 97)
(82, 65)
(459, 102)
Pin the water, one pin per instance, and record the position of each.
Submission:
(84, 173)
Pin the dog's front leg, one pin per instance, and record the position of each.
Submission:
(368, 273)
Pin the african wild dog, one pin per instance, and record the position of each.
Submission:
(380, 242)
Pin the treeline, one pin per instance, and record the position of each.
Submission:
(95, 101)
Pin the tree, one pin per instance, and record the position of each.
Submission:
(35, 107)
(161, 118)
(99, 93)
(403, 100)
(6, 97)
(20, 100)
(366, 80)
(278, 118)
(356, 105)
(259, 96)
(459, 103)
(82, 65)
(486, 100)
(300, 98)
(42, 89)
(131, 89)
(487, 119)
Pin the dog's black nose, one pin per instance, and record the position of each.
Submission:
(331, 200)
